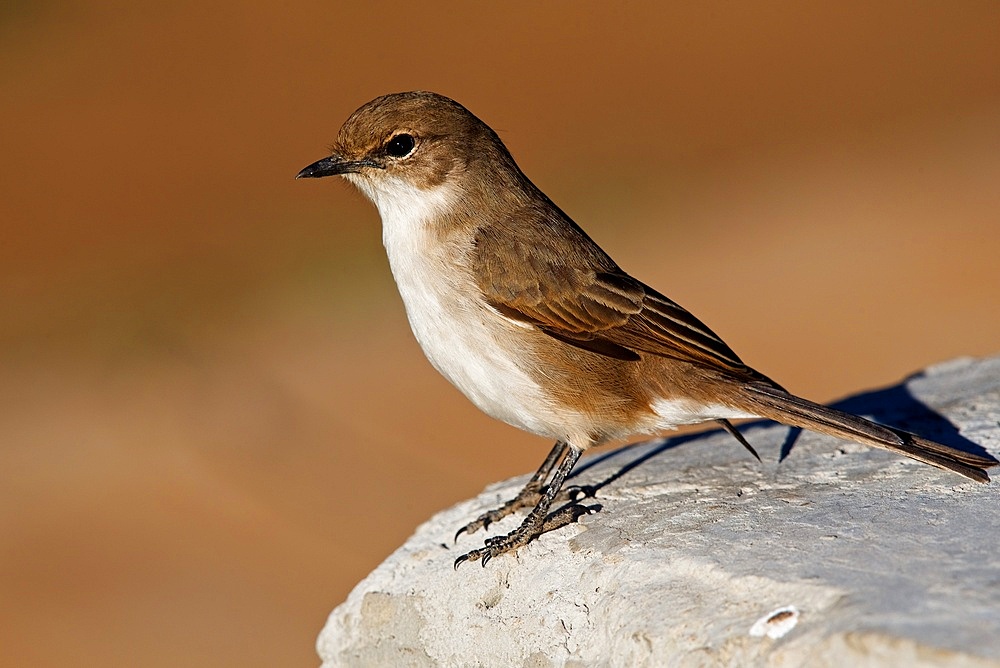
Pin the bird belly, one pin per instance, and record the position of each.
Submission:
(464, 350)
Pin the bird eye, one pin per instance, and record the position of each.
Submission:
(400, 146)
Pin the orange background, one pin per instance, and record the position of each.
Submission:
(213, 418)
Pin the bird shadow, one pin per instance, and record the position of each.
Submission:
(893, 406)
(662, 446)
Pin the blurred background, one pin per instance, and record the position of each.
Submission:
(214, 420)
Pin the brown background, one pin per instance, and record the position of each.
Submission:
(213, 418)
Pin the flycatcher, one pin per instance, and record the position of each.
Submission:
(515, 305)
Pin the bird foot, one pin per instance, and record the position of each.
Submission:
(532, 527)
(526, 498)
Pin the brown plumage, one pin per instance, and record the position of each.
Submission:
(536, 324)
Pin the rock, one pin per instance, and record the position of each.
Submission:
(838, 555)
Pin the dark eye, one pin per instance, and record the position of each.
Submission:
(400, 146)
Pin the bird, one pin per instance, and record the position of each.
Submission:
(515, 305)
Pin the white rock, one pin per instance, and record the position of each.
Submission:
(886, 561)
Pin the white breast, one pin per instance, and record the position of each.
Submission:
(457, 331)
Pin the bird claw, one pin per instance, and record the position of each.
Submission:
(527, 532)
(497, 545)
(472, 556)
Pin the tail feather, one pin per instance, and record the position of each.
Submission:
(775, 404)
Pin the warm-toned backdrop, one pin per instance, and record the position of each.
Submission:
(213, 418)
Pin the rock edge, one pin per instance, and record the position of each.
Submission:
(856, 556)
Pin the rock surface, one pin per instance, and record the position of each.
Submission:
(856, 556)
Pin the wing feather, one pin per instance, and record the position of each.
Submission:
(584, 299)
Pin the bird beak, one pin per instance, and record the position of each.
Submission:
(333, 166)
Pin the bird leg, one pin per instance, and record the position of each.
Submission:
(527, 498)
(536, 521)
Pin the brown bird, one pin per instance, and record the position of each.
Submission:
(515, 305)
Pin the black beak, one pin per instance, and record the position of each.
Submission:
(333, 166)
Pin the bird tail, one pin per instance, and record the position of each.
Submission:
(776, 404)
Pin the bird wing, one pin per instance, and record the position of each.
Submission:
(581, 297)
